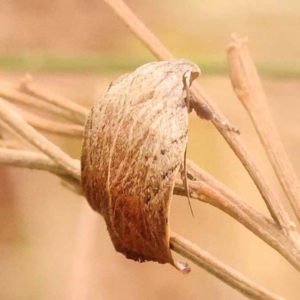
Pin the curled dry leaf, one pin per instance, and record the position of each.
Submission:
(134, 143)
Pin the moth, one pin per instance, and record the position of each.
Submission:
(134, 144)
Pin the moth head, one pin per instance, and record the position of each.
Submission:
(189, 70)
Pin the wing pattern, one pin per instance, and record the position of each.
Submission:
(134, 143)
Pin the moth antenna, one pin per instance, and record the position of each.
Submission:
(186, 84)
(185, 182)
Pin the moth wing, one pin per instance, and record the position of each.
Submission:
(134, 142)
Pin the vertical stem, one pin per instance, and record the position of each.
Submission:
(139, 29)
(247, 86)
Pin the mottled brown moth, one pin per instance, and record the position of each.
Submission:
(134, 143)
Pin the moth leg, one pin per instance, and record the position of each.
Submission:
(225, 124)
(205, 113)
(200, 108)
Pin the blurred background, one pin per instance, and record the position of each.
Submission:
(76, 48)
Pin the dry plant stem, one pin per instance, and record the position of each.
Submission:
(265, 228)
(220, 270)
(248, 88)
(139, 29)
(38, 140)
(162, 53)
(79, 113)
(272, 201)
(245, 215)
(198, 174)
(9, 134)
(10, 94)
(8, 137)
(38, 161)
(71, 184)
(71, 130)
(29, 160)
(8, 144)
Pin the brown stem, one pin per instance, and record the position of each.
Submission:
(29, 160)
(38, 140)
(8, 144)
(139, 29)
(198, 174)
(287, 244)
(79, 113)
(228, 275)
(247, 216)
(71, 130)
(7, 133)
(9, 93)
(247, 86)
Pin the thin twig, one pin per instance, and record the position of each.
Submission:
(198, 174)
(8, 144)
(139, 29)
(29, 160)
(71, 184)
(79, 113)
(38, 161)
(71, 130)
(38, 140)
(247, 216)
(10, 134)
(247, 86)
(9, 93)
(228, 275)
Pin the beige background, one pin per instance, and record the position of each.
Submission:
(43, 225)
